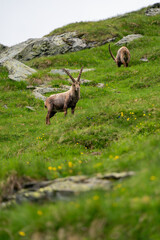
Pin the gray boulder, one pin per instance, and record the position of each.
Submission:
(152, 11)
(63, 188)
(61, 72)
(2, 48)
(12, 52)
(47, 46)
(128, 39)
(17, 70)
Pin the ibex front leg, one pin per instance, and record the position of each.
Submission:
(65, 110)
(65, 106)
(73, 109)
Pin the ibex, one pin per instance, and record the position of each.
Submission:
(123, 56)
(62, 101)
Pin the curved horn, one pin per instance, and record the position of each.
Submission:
(111, 53)
(66, 71)
(78, 79)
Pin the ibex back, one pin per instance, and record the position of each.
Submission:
(123, 56)
(62, 101)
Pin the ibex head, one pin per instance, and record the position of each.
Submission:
(75, 83)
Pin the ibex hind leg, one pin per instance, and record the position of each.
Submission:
(49, 115)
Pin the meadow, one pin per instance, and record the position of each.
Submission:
(120, 122)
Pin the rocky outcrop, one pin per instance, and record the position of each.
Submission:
(2, 48)
(128, 39)
(12, 52)
(64, 188)
(17, 70)
(61, 72)
(153, 10)
(48, 46)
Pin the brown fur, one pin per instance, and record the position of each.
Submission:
(62, 101)
(123, 56)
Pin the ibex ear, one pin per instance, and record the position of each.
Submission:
(66, 71)
(78, 79)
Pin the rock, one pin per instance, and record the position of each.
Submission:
(128, 39)
(2, 48)
(31, 87)
(153, 10)
(47, 46)
(5, 106)
(64, 188)
(61, 72)
(144, 59)
(83, 81)
(43, 89)
(100, 85)
(65, 87)
(17, 70)
(39, 96)
(12, 52)
(30, 108)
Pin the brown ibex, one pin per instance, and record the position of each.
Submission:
(123, 56)
(62, 101)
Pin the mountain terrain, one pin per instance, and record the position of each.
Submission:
(94, 174)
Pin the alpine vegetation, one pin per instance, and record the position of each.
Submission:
(62, 101)
(123, 56)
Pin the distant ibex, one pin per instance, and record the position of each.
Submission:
(62, 101)
(123, 56)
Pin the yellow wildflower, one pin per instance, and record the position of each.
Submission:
(95, 198)
(144, 114)
(39, 212)
(153, 178)
(22, 234)
(54, 168)
(116, 157)
(80, 161)
(81, 152)
(122, 114)
(127, 119)
(59, 167)
(70, 164)
(135, 118)
(50, 168)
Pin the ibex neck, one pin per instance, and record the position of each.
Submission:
(75, 93)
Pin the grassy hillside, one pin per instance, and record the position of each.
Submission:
(120, 121)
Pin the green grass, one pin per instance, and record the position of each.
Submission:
(120, 121)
